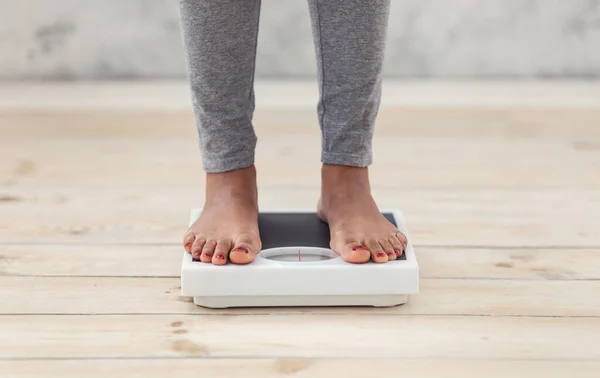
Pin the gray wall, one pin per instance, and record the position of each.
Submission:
(111, 39)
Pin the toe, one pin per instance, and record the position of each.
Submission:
(245, 250)
(188, 241)
(221, 252)
(241, 255)
(388, 249)
(349, 247)
(355, 253)
(196, 247)
(208, 251)
(402, 239)
(397, 245)
(378, 255)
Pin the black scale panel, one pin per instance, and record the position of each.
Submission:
(297, 229)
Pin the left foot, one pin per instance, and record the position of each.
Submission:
(359, 232)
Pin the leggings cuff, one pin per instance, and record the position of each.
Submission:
(352, 160)
(219, 165)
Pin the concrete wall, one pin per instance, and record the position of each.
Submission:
(112, 39)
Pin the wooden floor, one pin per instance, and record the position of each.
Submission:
(503, 204)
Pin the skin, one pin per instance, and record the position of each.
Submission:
(227, 229)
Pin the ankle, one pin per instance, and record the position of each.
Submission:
(339, 177)
(237, 183)
(343, 184)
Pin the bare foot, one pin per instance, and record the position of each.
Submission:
(359, 232)
(227, 229)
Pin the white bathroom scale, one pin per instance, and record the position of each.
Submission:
(296, 267)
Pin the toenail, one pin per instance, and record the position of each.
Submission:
(398, 252)
(220, 257)
(381, 254)
(391, 254)
(206, 255)
(188, 245)
(240, 249)
(359, 248)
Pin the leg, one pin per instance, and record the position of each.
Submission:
(350, 42)
(220, 40)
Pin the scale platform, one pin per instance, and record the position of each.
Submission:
(296, 267)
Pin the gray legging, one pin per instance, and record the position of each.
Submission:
(220, 37)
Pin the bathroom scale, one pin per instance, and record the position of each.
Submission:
(297, 268)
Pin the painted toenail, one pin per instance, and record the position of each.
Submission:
(188, 245)
(206, 255)
(381, 254)
(359, 248)
(398, 252)
(391, 254)
(220, 257)
(240, 249)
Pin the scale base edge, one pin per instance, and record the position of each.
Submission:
(301, 301)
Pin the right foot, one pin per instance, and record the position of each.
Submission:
(227, 229)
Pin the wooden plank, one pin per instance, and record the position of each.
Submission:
(392, 120)
(106, 295)
(300, 336)
(497, 218)
(175, 95)
(165, 260)
(292, 158)
(517, 263)
(300, 368)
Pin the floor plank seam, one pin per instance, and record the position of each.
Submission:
(592, 247)
(306, 312)
(421, 277)
(285, 357)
